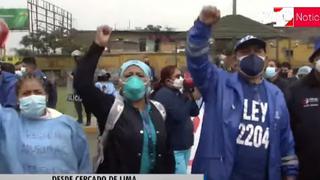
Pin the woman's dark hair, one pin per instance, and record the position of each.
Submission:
(28, 77)
(7, 67)
(286, 64)
(31, 61)
(278, 64)
(165, 74)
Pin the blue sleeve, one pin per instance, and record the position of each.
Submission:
(290, 164)
(1, 124)
(81, 148)
(97, 85)
(11, 100)
(9, 119)
(203, 72)
(8, 83)
(111, 89)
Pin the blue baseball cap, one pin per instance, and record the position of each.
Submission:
(249, 40)
(316, 50)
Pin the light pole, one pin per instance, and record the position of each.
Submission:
(234, 10)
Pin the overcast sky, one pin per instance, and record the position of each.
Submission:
(178, 14)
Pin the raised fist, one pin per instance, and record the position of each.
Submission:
(103, 35)
(209, 15)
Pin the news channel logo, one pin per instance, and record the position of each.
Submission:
(283, 16)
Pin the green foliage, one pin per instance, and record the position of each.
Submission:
(43, 43)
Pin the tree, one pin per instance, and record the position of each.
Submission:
(153, 28)
(45, 43)
(38, 41)
(24, 52)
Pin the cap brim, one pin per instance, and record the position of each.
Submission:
(260, 43)
(314, 54)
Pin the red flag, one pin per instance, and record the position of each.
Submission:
(196, 123)
(4, 31)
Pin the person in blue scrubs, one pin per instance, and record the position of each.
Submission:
(40, 140)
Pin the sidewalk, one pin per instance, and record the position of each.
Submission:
(93, 128)
(91, 134)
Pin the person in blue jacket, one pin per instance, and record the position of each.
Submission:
(246, 133)
(40, 140)
(8, 89)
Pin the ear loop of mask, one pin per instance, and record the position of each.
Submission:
(242, 57)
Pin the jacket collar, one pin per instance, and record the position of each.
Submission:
(234, 82)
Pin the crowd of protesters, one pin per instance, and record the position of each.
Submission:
(260, 116)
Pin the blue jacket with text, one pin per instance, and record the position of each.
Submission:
(223, 96)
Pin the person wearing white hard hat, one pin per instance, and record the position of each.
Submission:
(303, 71)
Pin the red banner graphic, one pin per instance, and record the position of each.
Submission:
(307, 17)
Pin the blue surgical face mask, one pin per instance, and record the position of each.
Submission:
(270, 72)
(252, 65)
(134, 88)
(32, 106)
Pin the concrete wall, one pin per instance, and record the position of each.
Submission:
(301, 51)
(113, 61)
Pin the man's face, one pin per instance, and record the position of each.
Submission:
(28, 67)
(251, 66)
(316, 58)
(18, 67)
(231, 63)
(285, 70)
(76, 59)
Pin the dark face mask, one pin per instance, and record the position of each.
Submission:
(252, 65)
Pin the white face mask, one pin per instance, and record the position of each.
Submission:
(178, 83)
(318, 65)
(23, 70)
(18, 73)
